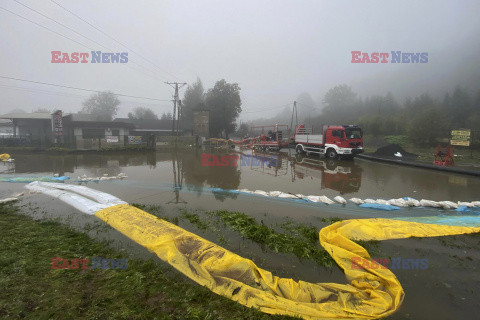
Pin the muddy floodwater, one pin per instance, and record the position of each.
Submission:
(178, 181)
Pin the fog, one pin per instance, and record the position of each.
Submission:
(275, 50)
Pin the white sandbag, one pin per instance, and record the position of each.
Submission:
(261, 192)
(381, 201)
(412, 202)
(448, 205)
(476, 203)
(287, 196)
(326, 200)
(340, 200)
(300, 196)
(369, 201)
(356, 200)
(429, 203)
(465, 204)
(445, 205)
(397, 202)
(314, 198)
(274, 193)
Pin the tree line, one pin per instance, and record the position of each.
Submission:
(222, 101)
(423, 119)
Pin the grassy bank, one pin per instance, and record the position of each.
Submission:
(30, 288)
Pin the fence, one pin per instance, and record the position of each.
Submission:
(23, 141)
(81, 143)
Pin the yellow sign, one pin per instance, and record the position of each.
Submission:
(460, 138)
(461, 133)
(464, 143)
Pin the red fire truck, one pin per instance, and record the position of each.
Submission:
(331, 141)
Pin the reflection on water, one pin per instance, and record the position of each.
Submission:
(255, 171)
(342, 176)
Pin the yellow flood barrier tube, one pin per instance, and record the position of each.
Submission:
(373, 292)
(4, 157)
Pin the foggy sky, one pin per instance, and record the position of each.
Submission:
(274, 50)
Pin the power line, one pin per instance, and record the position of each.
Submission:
(82, 89)
(59, 23)
(61, 35)
(65, 94)
(112, 38)
(64, 36)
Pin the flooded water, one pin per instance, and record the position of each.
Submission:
(178, 180)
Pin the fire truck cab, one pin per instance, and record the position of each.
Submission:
(333, 141)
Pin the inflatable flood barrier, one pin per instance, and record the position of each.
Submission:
(32, 179)
(4, 157)
(373, 292)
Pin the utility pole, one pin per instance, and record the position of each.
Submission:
(176, 86)
(180, 113)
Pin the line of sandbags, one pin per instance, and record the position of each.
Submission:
(400, 202)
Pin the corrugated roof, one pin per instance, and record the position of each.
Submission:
(83, 117)
(32, 115)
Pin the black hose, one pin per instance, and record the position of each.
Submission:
(420, 165)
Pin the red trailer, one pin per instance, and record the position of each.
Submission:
(270, 138)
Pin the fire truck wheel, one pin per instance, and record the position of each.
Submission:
(331, 154)
(299, 149)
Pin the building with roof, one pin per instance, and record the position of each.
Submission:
(33, 128)
(6, 128)
(83, 132)
(79, 131)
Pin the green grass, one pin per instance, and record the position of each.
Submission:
(29, 288)
(400, 140)
(299, 240)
